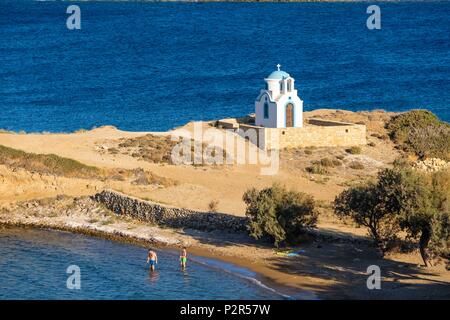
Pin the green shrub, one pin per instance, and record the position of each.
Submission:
(317, 169)
(419, 204)
(356, 165)
(113, 150)
(353, 150)
(422, 133)
(430, 142)
(423, 200)
(401, 163)
(363, 205)
(400, 125)
(278, 214)
(440, 234)
(326, 162)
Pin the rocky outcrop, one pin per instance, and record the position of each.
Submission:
(431, 165)
(165, 215)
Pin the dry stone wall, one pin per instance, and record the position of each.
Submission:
(174, 217)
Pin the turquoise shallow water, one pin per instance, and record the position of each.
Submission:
(153, 66)
(33, 265)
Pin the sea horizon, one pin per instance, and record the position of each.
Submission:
(118, 70)
(243, 155)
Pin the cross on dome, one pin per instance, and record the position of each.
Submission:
(278, 67)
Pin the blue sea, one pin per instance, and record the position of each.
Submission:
(34, 265)
(153, 66)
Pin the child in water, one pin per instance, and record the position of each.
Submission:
(183, 258)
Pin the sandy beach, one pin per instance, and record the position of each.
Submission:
(333, 269)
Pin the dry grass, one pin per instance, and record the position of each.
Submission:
(158, 149)
(327, 162)
(46, 164)
(139, 177)
(354, 150)
(151, 148)
(374, 120)
(213, 205)
(50, 164)
(356, 165)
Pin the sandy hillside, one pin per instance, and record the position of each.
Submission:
(197, 185)
(138, 164)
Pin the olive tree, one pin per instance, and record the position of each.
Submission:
(279, 214)
(417, 203)
(371, 206)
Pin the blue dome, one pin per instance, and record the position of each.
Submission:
(278, 75)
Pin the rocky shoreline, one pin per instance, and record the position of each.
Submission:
(88, 217)
(79, 215)
(300, 277)
(174, 217)
(102, 215)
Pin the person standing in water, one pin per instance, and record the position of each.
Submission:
(152, 257)
(183, 258)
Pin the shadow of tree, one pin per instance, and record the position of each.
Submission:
(224, 238)
(338, 269)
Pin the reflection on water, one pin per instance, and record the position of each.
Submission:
(33, 265)
(185, 275)
(153, 275)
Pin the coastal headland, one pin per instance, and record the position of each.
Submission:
(56, 180)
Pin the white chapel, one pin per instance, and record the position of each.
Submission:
(278, 105)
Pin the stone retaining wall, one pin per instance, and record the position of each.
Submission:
(316, 132)
(167, 215)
